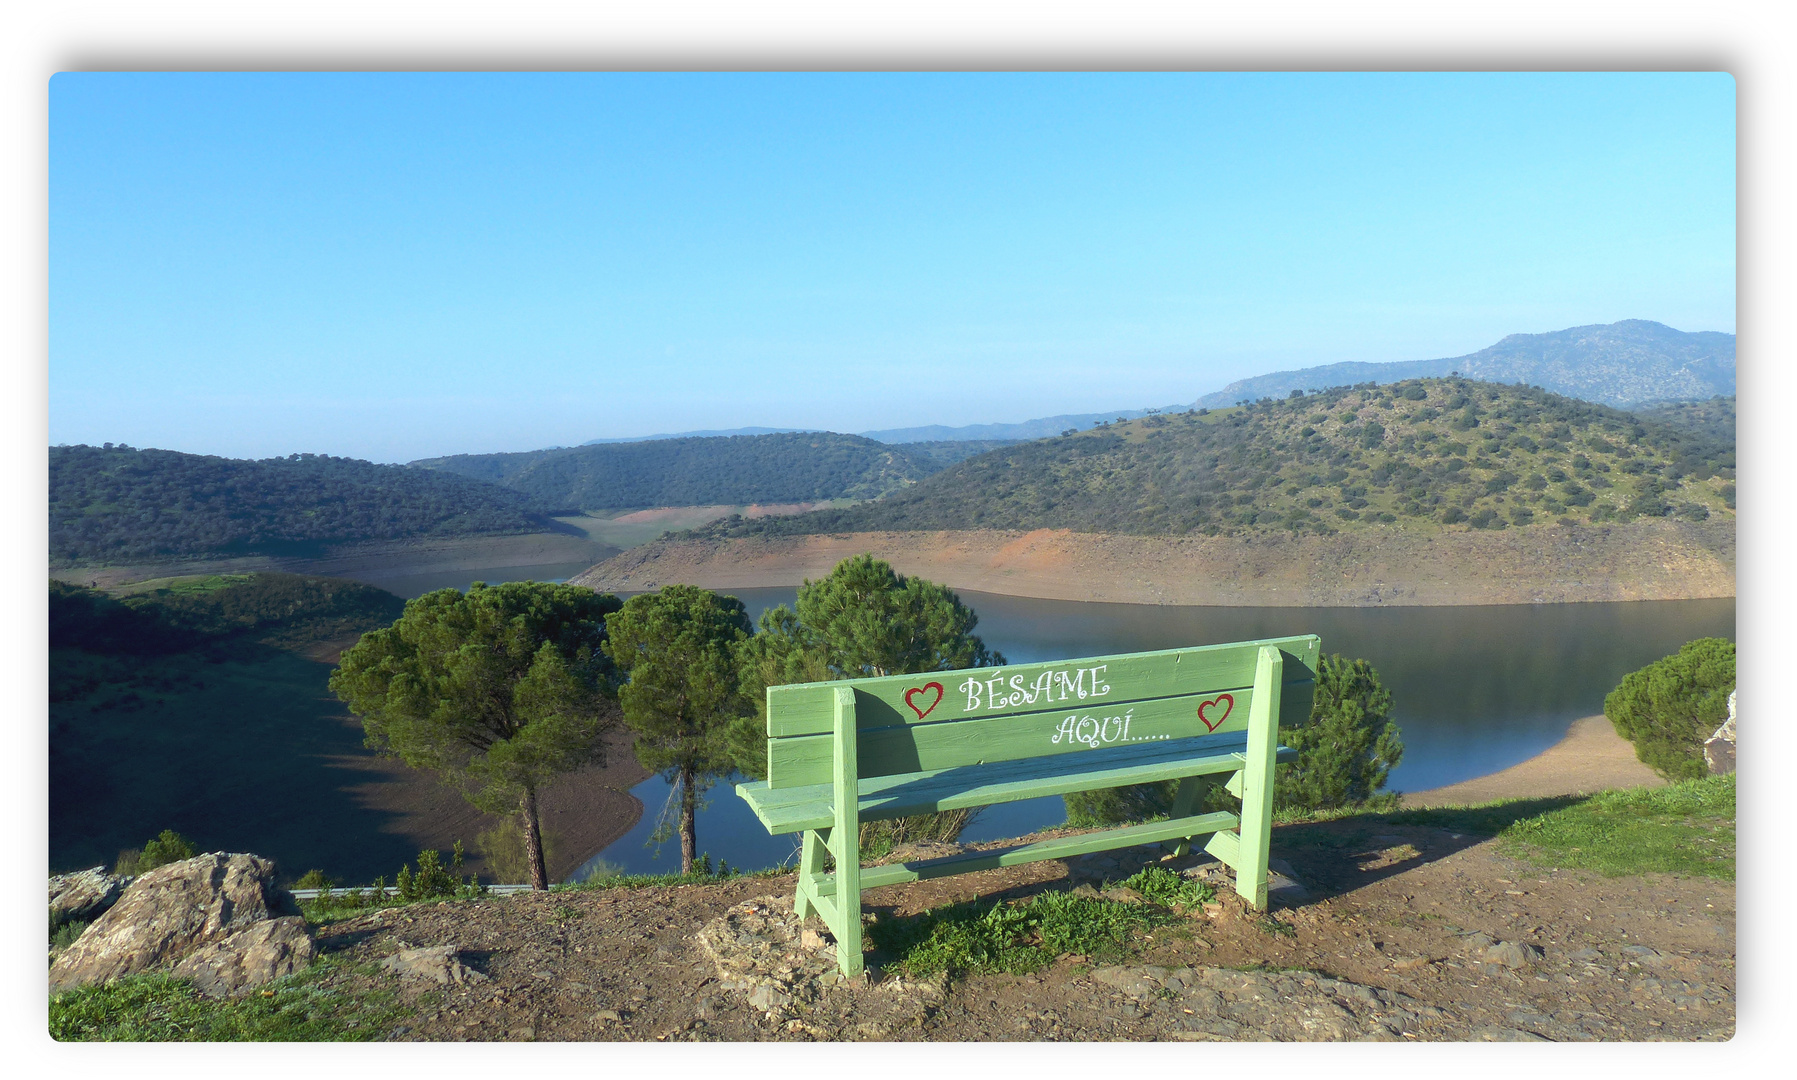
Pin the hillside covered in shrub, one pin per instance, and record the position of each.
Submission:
(114, 503)
(1423, 453)
(732, 470)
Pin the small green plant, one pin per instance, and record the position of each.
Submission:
(433, 880)
(64, 935)
(169, 846)
(1013, 936)
(1159, 885)
(315, 879)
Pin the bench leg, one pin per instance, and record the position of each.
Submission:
(845, 838)
(1257, 780)
(1185, 800)
(811, 861)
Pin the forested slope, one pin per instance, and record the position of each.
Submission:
(734, 470)
(112, 503)
(1451, 452)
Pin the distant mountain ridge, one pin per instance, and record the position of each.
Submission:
(701, 435)
(1029, 429)
(1619, 364)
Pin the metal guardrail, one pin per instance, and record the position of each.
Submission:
(313, 894)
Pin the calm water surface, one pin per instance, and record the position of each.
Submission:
(1474, 689)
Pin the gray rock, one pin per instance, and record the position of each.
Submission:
(768, 998)
(1135, 982)
(1513, 954)
(1478, 942)
(83, 896)
(439, 963)
(175, 910)
(1719, 749)
(266, 950)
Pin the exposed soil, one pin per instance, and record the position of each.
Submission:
(1591, 758)
(1415, 933)
(1375, 566)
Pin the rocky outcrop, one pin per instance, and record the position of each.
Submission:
(1719, 749)
(83, 896)
(216, 918)
(437, 963)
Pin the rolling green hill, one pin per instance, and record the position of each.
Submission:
(1713, 419)
(734, 470)
(1443, 452)
(115, 503)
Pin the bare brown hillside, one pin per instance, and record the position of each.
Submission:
(1659, 559)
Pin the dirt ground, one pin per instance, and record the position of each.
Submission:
(1396, 936)
(1387, 565)
(1591, 758)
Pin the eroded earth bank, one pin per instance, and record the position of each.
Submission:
(1638, 560)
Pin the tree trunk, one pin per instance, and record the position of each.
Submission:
(689, 838)
(533, 839)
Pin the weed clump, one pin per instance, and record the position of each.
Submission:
(1020, 936)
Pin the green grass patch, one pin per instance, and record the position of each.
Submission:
(702, 874)
(1686, 828)
(1020, 936)
(154, 1007)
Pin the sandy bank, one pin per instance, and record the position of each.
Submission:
(1639, 560)
(1592, 757)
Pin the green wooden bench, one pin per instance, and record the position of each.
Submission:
(840, 753)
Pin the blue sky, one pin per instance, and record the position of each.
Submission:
(397, 266)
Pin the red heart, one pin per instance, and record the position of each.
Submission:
(921, 713)
(1228, 701)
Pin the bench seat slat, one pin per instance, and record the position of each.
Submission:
(793, 809)
(1062, 847)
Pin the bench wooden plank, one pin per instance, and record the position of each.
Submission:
(808, 708)
(1061, 847)
(807, 759)
(784, 810)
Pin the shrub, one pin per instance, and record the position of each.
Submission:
(168, 847)
(1349, 746)
(434, 880)
(1668, 708)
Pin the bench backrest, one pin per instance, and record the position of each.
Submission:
(971, 716)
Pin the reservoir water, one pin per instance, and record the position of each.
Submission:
(1474, 689)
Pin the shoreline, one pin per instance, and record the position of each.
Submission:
(1589, 758)
(1640, 560)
